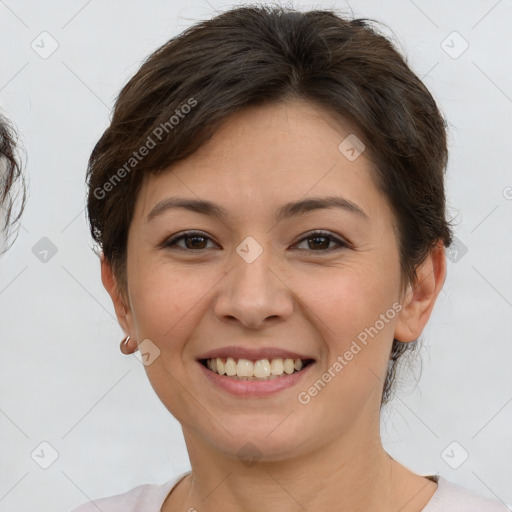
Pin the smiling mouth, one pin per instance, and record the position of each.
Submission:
(261, 369)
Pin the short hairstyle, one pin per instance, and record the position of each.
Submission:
(259, 55)
(12, 181)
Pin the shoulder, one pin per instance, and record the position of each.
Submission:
(133, 500)
(451, 497)
(143, 498)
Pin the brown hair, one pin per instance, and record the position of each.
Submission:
(255, 55)
(11, 202)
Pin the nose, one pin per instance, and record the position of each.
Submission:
(254, 294)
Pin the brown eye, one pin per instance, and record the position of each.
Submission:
(319, 241)
(193, 241)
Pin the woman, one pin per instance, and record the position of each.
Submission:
(269, 199)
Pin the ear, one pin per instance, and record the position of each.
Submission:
(420, 298)
(121, 306)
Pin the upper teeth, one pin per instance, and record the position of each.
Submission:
(248, 368)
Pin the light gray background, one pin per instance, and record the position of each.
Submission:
(63, 379)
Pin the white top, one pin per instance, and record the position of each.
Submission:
(448, 497)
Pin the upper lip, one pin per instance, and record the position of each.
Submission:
(237, 352)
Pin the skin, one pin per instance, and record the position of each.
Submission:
(297, 295)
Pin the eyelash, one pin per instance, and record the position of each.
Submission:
(169, 243)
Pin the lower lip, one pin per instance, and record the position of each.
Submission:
(254, 388)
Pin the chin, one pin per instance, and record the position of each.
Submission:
(262, 440)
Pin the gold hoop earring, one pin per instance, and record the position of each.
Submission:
(124, 346)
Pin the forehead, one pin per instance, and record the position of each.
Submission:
(264, 156)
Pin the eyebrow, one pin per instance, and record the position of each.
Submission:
(287, 211)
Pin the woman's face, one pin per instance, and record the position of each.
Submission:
(254, 278)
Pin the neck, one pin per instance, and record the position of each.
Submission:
(346, 474)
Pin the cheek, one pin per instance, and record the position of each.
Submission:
(357, 339)
(346, 300)
(166, 301)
